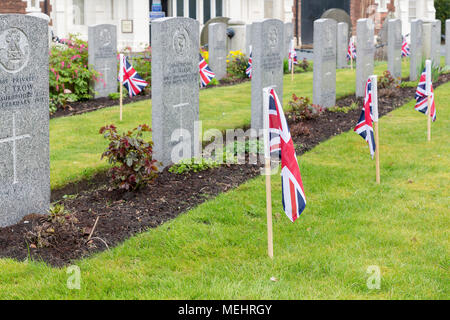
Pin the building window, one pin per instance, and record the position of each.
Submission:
(206, 10)
(412, 10)
(219, 8)
(78, 12)
(382, 5)
(193, 9)
(180, 8)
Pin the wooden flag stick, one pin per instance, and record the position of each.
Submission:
(292, 70)
(375, 125)
(121, 66)
(267, 172)
(351, 62)
(121, 100)
(428, 91)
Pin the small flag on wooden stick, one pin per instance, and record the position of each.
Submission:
(425, 97)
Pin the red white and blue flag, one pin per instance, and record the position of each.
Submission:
(248, 71)
(280, 141)
(422, 97)
(351, 51)
(130, 78)
(292, 55)
(206, 74)
(405, 48)
(365, 126)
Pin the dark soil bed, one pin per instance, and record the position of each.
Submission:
(121, 215)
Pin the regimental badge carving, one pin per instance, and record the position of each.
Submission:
(105, 37)
(273, 37)
(180, 41)
(14, 50)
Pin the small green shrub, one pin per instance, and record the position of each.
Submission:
(345, 109)
(114, 96)
(237, 65)
(193, 165)
(131, 157)
(70, 78)
(302, 109)
(387, 81)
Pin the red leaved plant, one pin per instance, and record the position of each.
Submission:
(131, 157)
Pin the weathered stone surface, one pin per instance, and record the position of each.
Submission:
(288, 36)
(342, 45)
(435, 44)
(103, 57)
(394, 48)
(324, 81)
(24, 118)
(175, 87)
(248, 38)
(416, 48)
(447, 42)
(267, 42)
(365, 50)
(217, 47)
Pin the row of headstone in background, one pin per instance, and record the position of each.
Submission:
(324, 73)
(365, 53)
(103, 57)
(287, 36)
(24, 118)
(394, 47)
(342, 45)
(416, 49)
(447, 42)
(217, 47)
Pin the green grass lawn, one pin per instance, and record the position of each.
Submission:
(76, 146)
(218, 250)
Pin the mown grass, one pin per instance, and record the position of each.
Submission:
(218, 250)
(76, 146)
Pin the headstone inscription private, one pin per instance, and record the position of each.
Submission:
(103, 57)
(365, 53)
(217, 46)
(324, 75)
(394, 50)
(342, 45)
(24, 118)
(175, 88)
(267, 44)
(416, 48)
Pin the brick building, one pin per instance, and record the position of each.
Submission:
(306, 11)
(25, 6)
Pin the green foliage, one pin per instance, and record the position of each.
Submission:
(237, 64)
(213, 82)
(193, 165)
(114, 96)
(286, 66)
(387, 81)
(131, 157)
(408, 84)
(345, 109)
(249, 146)
(302, 109)
(436, 70)
(305, 65)
(70, 78)
(442, 11)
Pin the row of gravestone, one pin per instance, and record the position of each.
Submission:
(24, 96)
(24, 93)
(330, 52)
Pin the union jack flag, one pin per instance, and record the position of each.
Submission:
(351, 51)
(248, 72)
(206, 74)
(294, 200)
(364, 127)
(292, 55)
(422, 97)
(405, 48)
(130, 78)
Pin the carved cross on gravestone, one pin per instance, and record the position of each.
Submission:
(13, 139)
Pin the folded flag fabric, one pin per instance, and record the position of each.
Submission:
(130, 78)
(293, 195)
(422, 97)
(248, 72)
(292, 55)
(365, 124)
(405, 48)
(351, 51)
(206, 74)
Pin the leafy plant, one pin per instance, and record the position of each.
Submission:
(305, 65)
(193, 165)
(387, 81)
(436, 71)
(302, 109)
(131, 157)
(114, 96)
(237, 65)
(345, 109)
(70, 78)
(248, 146)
